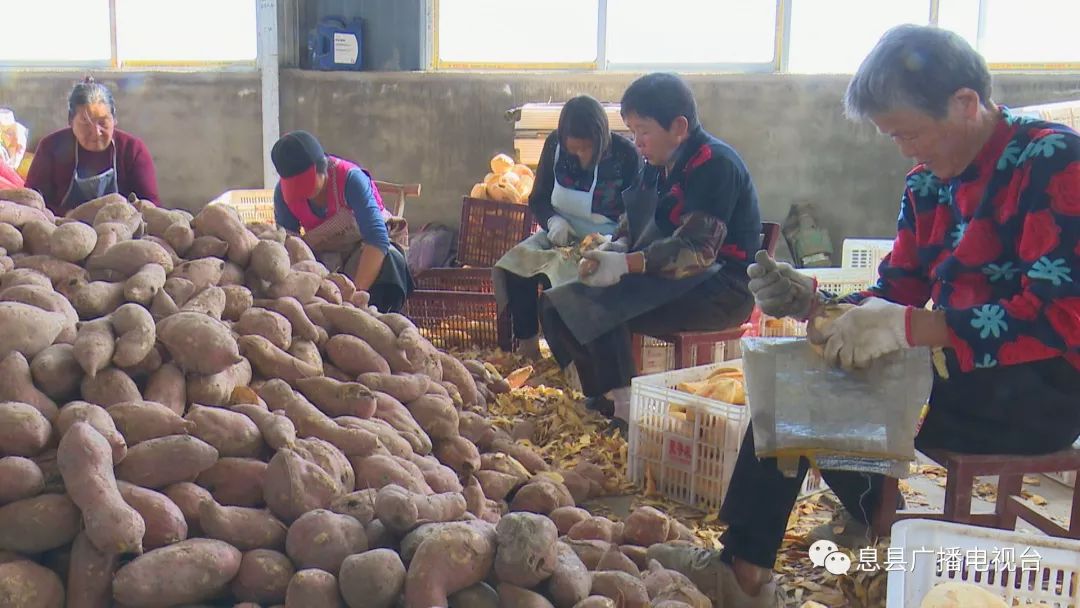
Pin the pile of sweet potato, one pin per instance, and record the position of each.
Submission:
(193, 411)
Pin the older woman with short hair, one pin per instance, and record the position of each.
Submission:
(91, 157)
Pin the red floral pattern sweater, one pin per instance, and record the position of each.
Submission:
(996, 248)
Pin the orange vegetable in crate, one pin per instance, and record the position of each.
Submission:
(523, 171)
(501, 163)
(478, 191)
(723, 384)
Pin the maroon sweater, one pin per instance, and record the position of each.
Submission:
(54, 161)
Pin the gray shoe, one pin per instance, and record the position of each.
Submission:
(844, 530)
(529, 348)
(712, 577)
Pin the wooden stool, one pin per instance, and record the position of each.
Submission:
(962, 469)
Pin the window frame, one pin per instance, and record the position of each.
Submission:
(116, 63)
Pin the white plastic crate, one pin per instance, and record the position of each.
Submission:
(1039, 569)
(865, 253)
(842, 281)
(689, 443)
(771, 327)
(254, 206)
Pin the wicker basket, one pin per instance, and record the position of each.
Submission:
(489, 229)
(455, 308)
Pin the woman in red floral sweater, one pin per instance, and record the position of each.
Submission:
(989, 229)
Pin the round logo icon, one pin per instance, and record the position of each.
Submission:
(821, 550)
(838, 563)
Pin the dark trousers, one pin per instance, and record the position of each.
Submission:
(607, 362)
(523, 303)
(1022, 409)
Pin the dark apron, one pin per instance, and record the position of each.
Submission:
(84, 189)
(590, 312)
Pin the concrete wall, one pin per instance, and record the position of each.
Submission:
(440, 129)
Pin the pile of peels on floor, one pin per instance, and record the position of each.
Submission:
(542, 409)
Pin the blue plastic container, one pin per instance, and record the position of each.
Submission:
(337, 44)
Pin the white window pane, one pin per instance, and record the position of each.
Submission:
(834, 36)
(960, 16)
(720, 31)
(194, 30)
(55, 31)
(1031, 31)
(516, 31)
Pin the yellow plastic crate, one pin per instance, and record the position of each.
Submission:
(254, 206)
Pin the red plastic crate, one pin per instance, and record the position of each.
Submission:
(489, 229)
(455, 308)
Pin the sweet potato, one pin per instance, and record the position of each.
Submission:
(378, 471)
(406, 388)
(354, 357)
(231, 275)
(273, 362)
(594, 528)
(475, 502)
(142, 286)
(87, 211)
(330, 459)
(179, 236)
(624, 588)
(313, 588)
(541, 496)
(85, 461)
(95, 346)
(478, 430)
(94, 299)
(504, 463)
(11, 239)
(390, 410)
(615, 559)
(296, 284)
(396, 322)
(38, 524)
(293, 486)
(24, 431)
(369, 329)
(24, 584)
(19, 478)
(401, 510)
(45, 298)
(526, 554)
(209, 301)
(179, 289)
(97, 417)
(168, 387)
(135, 334)
(163, 306)
(329, 292)
(165, 523)
(298, 250)
(373, 579)
(292, 310)
(646, 526)
(197, 569)
(149, 364)
(27, 329)
(526, 456)
(459, 454)
(187, 497)
(238, 299)
(222, 222)
(157, 463)
(37, 236)
(140, 421)
(566, 517)
(231, 433)
(245, 528)
(16, 384)
(437, 416)
(313, 266)
(518, 597)
(270, 261)
(442, 479)
(596, 601)
(263, 577)
(201, 273)
(216, 389)
(323, 539)
(235, 482)
(207, 247)
(451, 559)
(497, 486)
(570, 581)
(58, 271)
(24, 276)
(266, 323)
(110, 386)
(198, 343)
(126, 258)
(275, 428)
(388, 435)
(338, 398)
(454, 371)
(109, 234)
(360, 505)
(581, 488)
(72, 242)
(310, 422)
(90, 572)
(480, 595)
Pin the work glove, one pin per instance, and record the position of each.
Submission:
(874, 328)
(619, 246)
(602, 268)
(779, 289)
(559, 231)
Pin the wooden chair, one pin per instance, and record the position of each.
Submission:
(394, 195)
(696, 347)
(961, 471)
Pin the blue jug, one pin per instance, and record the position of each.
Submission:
(336, 44)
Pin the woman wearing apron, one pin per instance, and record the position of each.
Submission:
(582, 172)
(679, 259)
(91, 157)
(338, 207)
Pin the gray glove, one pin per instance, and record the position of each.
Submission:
(559, 231)
(779, 289)
(620, 246)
